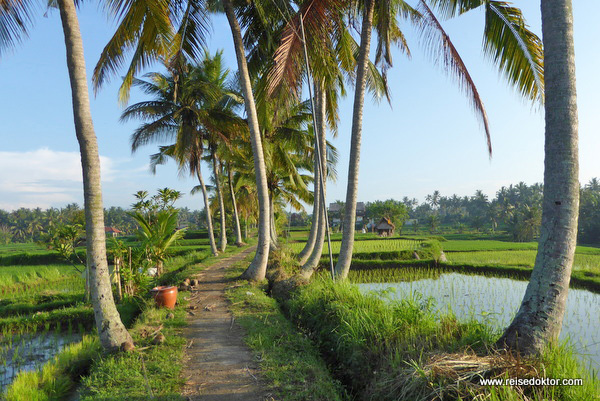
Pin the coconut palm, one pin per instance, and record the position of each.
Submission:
(539, 319)
(175, 31)
(501, 40)
(15, 19)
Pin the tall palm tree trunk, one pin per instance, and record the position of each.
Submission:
(343, 264)
(272, 228)
(209, 225)
(312, 261)
(217, 170)
(258, 267)
(539, 319)
(312, 235)
(111, 330)
(236, 216)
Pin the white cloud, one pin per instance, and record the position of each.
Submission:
(44, 177)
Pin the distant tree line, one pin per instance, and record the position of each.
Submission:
(29, 225)
(516, 209)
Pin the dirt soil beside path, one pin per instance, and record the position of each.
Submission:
(218, 365)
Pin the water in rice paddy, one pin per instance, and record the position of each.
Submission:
(495, 301)
(28, 352)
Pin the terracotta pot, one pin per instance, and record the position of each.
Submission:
(165, 296)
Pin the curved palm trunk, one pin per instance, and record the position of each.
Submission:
(258, 267)
(216, 169)
(209, 225)
(343, 264)
(272, 228)
(312, 262)
(236, 216)
(312, 235)
(111, 330)
(539, 319)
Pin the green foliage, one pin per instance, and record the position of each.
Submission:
(589, 213)
(157, 219)
(391, 209)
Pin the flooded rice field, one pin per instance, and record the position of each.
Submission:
(27, 352)
(495, 301)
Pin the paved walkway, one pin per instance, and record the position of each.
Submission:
(218, 365)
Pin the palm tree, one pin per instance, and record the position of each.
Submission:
(15, 18)
(514, 56)
(152, 32)
(192, 107)
(539, 319)
(158, 235)
(258, 268)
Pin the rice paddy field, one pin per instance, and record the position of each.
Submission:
(459, 252)
(490, 292)
(367, 245)
(42, 307)
(494, 301)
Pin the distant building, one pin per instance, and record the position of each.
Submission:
(335, 211)
(115, 232)
(385, 228)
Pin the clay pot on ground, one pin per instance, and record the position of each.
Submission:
(165, 296)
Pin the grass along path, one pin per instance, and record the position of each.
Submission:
(218, 365)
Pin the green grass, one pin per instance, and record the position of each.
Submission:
(58, 377)
(583, 261)
(150, 372)
(288, 360)
(38, 303)
(380, 350)
(17, 279)
(16, 248)
(367, 246)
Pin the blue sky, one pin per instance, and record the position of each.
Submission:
(427, 139)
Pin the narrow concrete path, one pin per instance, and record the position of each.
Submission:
(218, 365)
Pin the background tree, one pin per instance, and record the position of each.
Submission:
(391, 209)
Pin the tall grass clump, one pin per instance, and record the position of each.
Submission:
(58, 377)
(402, 350)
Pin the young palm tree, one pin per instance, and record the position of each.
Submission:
(14, 22)
(539, 319)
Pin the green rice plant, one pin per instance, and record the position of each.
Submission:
(487, 245)
(21, 278)
(58, 377)
(38, 303)
(384, 350)
(60, 319)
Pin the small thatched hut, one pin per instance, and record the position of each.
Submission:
(385, 228)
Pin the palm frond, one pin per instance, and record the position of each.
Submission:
(145, 27)
(438, 43)
(516, 50)
(16, 18)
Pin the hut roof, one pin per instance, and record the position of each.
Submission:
(112, 230)
(385, 224)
